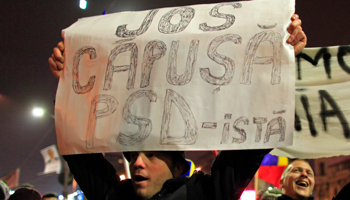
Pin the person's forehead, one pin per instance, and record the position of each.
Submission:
(301, 164)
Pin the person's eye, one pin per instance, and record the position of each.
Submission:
(151, 155)
(133, 156)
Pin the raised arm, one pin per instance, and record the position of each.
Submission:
(233, 170)
(97, 177)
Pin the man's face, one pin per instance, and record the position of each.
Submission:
(51, 154)
(149, 170)
(298, 182)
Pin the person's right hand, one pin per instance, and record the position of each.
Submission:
(57, 59)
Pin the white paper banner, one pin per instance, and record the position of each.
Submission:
(203, 77)
(322, 104)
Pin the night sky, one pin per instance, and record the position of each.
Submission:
(30, 29)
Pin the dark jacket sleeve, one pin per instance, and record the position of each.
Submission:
(344, 193)
(94, 174)
(233, 170)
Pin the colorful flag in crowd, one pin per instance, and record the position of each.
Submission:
(272, 168)
(12, 179)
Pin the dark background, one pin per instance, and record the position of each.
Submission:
(30, 29)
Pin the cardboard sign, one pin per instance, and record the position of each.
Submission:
(322, 104)
(202, 77)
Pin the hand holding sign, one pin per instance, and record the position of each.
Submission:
(297, 38)
(56, 60)
(172, 111)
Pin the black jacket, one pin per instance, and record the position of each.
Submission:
(285, 197)
(344, 193)
(231, 172)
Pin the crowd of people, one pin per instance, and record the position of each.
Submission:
(297, 183)
(157, 174)
(25, 192)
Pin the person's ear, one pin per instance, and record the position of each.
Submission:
(281, 182)
(178, 169)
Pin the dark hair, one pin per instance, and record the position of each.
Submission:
(177, 157)
(49, 195)
(25, 193)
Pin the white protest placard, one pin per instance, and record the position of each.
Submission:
(201, 77)
(322, 102)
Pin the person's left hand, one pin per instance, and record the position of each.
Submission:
(57, 59)
(297, 38)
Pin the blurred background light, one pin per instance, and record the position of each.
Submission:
(248, 195)
(122, 177)
(83, 4)
(38, 112)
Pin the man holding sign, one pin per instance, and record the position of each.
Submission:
(156, 174)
